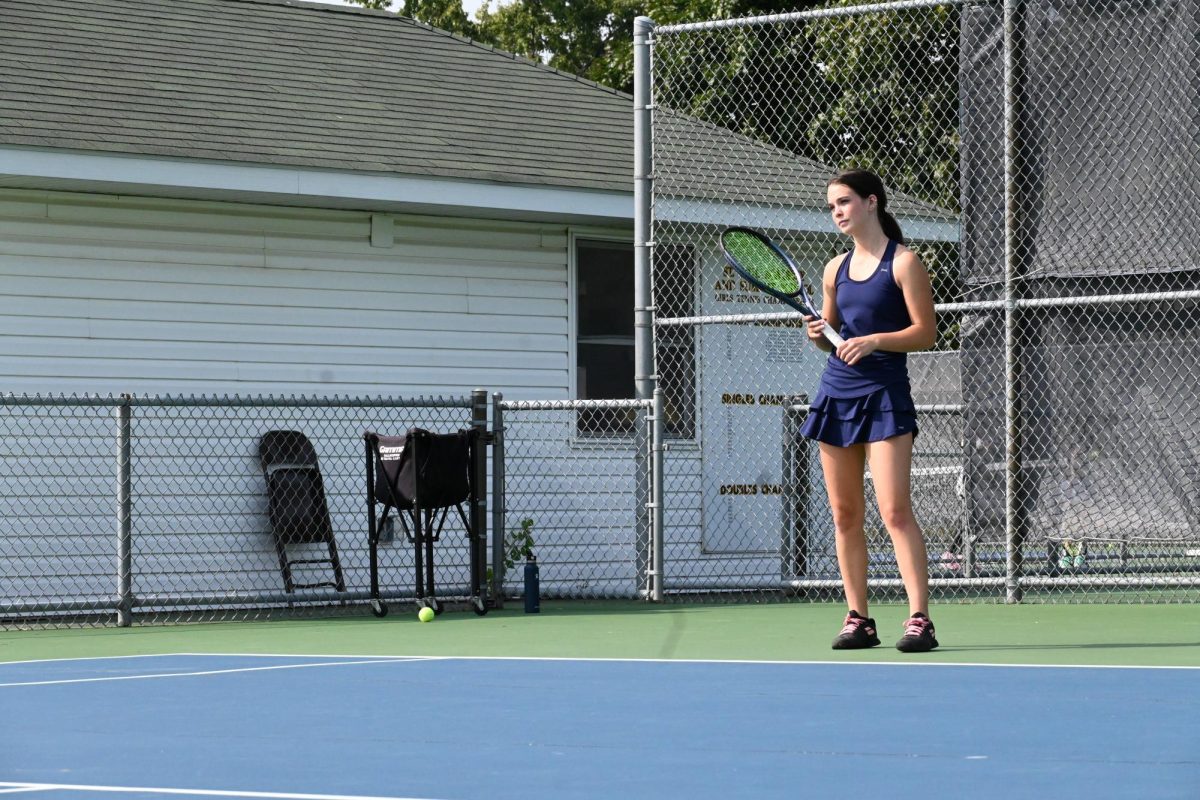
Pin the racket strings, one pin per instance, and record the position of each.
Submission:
(761, 262)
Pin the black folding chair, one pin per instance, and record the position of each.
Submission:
(296, 504)
(421, 476)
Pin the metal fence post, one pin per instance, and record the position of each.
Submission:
(643, 499)
(656, 498)
(645, 378)
(498, 501)
(643, 187)
(124, 513)
(479, 515)
(794, 542)
(1013, 507)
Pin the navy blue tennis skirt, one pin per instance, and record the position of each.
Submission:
(877, 416)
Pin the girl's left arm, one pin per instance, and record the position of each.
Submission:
(913, 279)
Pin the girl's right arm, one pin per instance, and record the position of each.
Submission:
(829, 307)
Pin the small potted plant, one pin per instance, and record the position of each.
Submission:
(518, 547)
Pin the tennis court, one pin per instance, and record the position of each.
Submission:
(609, 700)
(1055, 476)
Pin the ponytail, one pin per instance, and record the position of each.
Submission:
(890, 226)
(865, 183)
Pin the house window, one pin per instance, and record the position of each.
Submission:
(604, 366)
(604, 332)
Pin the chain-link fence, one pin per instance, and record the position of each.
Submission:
(1043, 159)
(574, 478)
(130, 509)
(134, 510)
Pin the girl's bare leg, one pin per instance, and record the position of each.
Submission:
(891, 471)
(843, 467)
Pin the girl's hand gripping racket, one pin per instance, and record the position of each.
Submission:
(762, 262)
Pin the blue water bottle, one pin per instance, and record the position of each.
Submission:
(533, 603)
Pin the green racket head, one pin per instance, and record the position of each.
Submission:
(760, 261)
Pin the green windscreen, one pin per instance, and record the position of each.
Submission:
(760, 261)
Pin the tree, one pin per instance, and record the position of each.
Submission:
(760, 81)
(589, 38)
(445, 14)
(894, 105)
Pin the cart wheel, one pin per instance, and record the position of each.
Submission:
(480, 607)
(379, 608)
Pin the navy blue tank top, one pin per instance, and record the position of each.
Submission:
(873, 305)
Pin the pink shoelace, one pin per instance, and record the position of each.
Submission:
(851, 625)
(915, 626)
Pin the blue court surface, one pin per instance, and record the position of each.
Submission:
(508, 729)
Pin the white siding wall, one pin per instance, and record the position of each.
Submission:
(110, 295)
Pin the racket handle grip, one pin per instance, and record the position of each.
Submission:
(835, 339)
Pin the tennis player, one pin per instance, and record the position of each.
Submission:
(878, 297)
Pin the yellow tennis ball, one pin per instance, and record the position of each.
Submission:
(425, 614)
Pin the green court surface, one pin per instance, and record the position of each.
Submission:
(1127, 635)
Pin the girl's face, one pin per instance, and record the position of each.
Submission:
(849, 211)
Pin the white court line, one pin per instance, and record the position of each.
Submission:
(43, 787)
(215, 655)
(72, 659)
(22, 789)
(916, 662)
(108, 678)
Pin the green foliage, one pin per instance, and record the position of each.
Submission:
(895, 108)
(518, 544)
(589, 38)
(762, 81)
(445, 14)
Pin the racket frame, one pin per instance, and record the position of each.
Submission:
(800, 300)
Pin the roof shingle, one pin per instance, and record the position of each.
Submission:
(283, 83)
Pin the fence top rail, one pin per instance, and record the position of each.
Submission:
(780, 317)
(234, 401)
(798, 16)
(1106, 299)
(572, 405)
(1183, 295)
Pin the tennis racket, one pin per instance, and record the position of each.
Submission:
(765, 264)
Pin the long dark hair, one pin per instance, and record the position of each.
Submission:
(865, 183)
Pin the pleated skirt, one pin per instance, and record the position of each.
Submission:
(880, 415)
